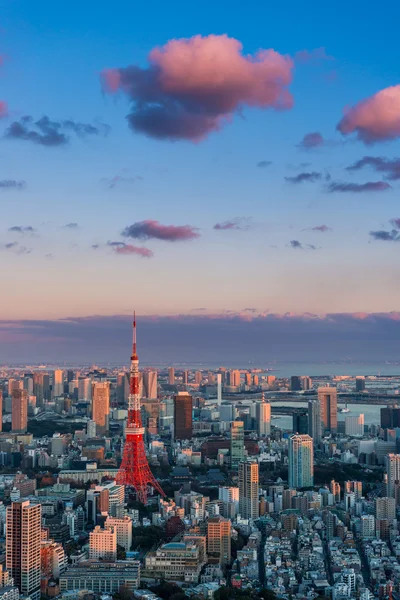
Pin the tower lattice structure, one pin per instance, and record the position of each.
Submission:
(134, 470)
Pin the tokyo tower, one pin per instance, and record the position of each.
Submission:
(134, 470)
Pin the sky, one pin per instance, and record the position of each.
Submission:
(230, 172)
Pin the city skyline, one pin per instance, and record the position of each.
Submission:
(260, 193)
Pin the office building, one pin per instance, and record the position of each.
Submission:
(23, 530)
(390, 417)
(58, 383)
(84, 388)
(1, 410)
(178, 561)
(198, 377)
(101, 406)
(300, 422)
(103, 544)
(392, 464)
(360, 384)
(123, 528)
(234, 379)
(385, 508)
(219, 389)
(183, 416)
(263, 416)
(219, 539)
(122, 387)
(150, 384)
(314, 421)
(367, 526)
(295, 383)
(151, 410)
(226, 412)
(185, 377)
(301, 461)
(101, 578)
(19, 410)
(248, 490)
(354, 425)
(171, 376)
(236, 443)
(327, 397)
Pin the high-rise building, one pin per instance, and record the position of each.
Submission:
(185, 377)
(183, 416)
(122, 387)
(23, 529)
(314, 420)
(103, 544)
(327, 397)
(84, 388)
(14, 384)
(123, 528)
(390, 417)
(354, 486)
(1, 410)
(301, 461)
(101, 405)
(360, 384)
(295, 383)
(392, 464)
(234, 379)
(385, 508)
(150, 384)
(300, 422)
(354, 425)
(263, 416)
(171, 376)
(58, 384)
(198, 377)
(219, 389)
(19, 410)
(38, 388)
(236, 443)
(219, 539)
(248, 490)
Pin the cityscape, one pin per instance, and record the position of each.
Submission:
(199, 318)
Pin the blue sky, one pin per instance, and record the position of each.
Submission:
(53, 57)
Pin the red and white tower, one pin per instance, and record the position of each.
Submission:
(134, 470)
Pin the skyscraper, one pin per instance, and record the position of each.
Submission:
(300, 422)
(301, 461)
(392, 464)
(198, 377)
(390, 417)
(263, 416)
(1, 410)
(185, 377)
(183, 416)
(38, 388)
(58, 385)
(23, 546)
(150, 384)
(236, 443)
(171, 376)
(101, 405)
(219, 538)
(354, 425)
(327, 397)
(314, 420)
(248, 489)
(84, 388)
(19, 410)
(360, 384)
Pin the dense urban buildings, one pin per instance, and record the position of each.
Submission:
(301, 461)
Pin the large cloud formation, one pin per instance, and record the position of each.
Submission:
(390, 167)
(194, 86)
(363, 336)
(374, 119)
(146, 230)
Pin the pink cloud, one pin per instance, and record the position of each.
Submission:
(193, 86)
(138, 250)
(237, 224)
(3, 109)
(145, 230)
(374, 119)
(312, 140)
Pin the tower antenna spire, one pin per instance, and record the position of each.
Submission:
(134, 351)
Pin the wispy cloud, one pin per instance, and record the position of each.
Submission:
(71, 226)
(117, 180)
(390, 167)
(12, 184)
(320, 228)
(370, 186)
(129, 249)
(146, 230)
(312, 56)
(311, 140)
(388, 236)
(46, 132)
(305, 177)
(22, 229)
(237, 224)
(16, 248)
(296, 245)
(264, 163)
